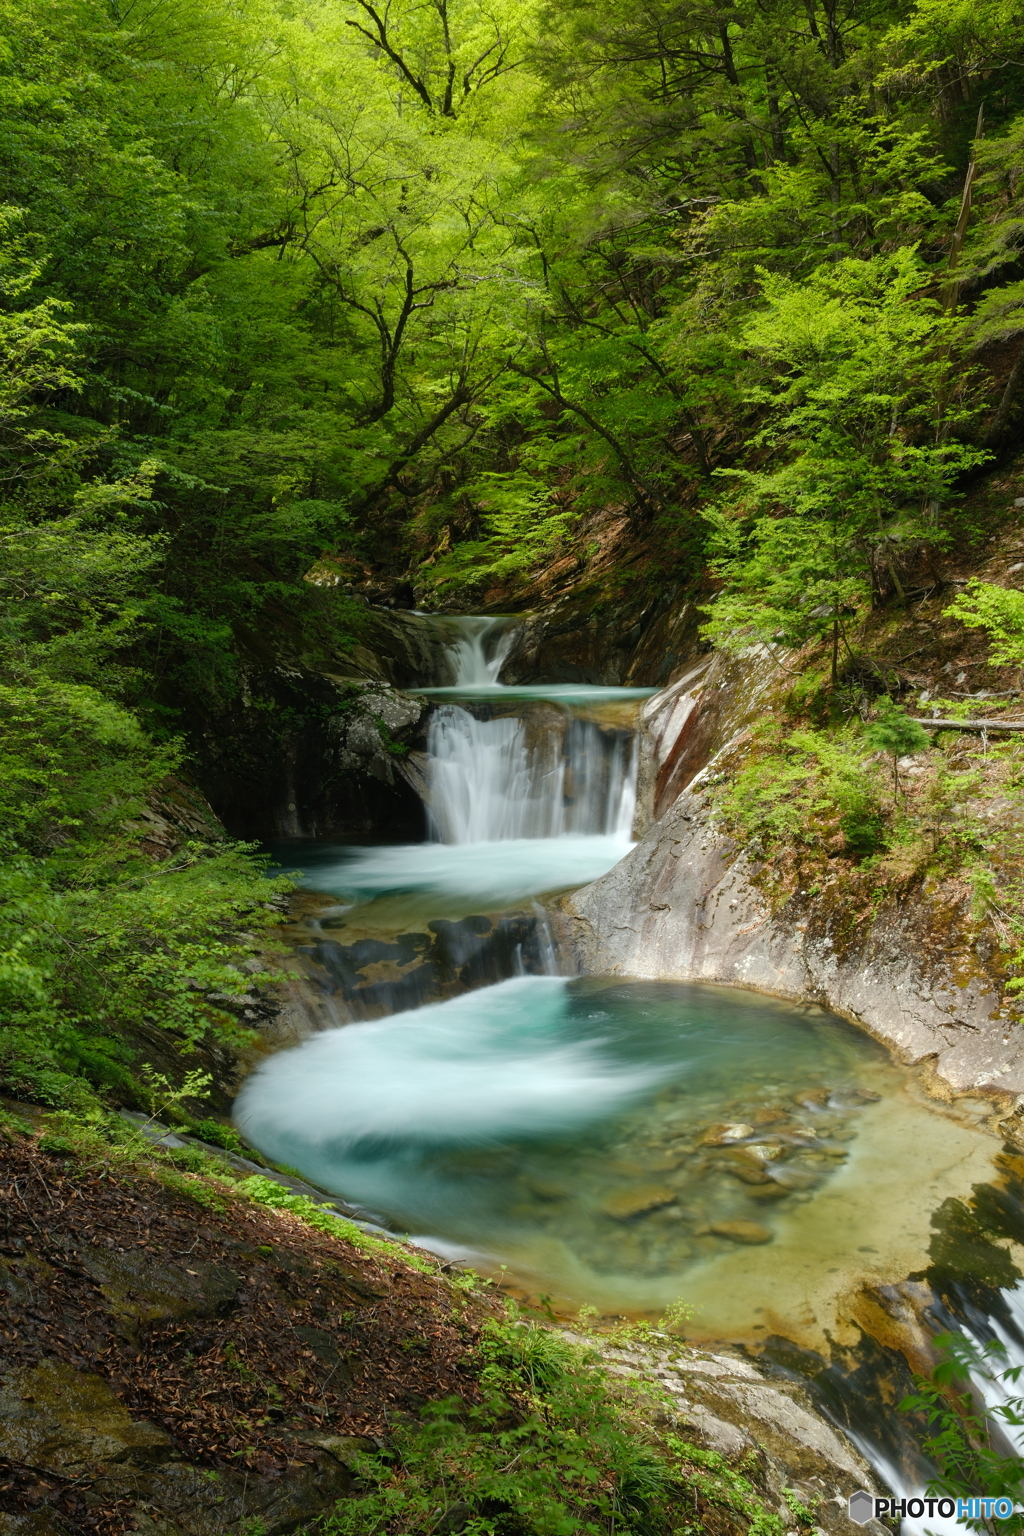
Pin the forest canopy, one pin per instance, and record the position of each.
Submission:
(414, 287)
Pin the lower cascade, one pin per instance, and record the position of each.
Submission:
(624, 1144)
(489, 783)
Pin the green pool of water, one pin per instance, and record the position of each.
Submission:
(626, 1143)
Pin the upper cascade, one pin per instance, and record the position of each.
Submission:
(480, 650)
(537, 770)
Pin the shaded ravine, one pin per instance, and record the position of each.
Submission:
(426, 1112)
(524, 793)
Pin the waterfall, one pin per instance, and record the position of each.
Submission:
(480, 650)
(539, 773)
(493, 780)
(529, 790)
(889, 1445)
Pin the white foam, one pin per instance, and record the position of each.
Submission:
(488, 1063)
(493, 874)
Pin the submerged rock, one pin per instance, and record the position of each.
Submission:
(741, 1231)
(725, 1135)
(637, 1202)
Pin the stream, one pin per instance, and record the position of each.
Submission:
(601, 1142)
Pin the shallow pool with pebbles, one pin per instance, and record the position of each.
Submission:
(626, 1144)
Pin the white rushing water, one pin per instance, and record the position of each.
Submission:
(480, 650)
(475, 1067)
(526, 792)
(990, 1390)
(482, 875)
(511, 778)
(497, 781)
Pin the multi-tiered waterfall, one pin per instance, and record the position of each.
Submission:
(541, 772)
(529, 789)
(610, 1140)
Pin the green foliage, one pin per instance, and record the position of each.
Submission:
(999, 611)
(220, 1135)
(809, 788)
(854, 383)
(522, 528)
(641, 1332)
(266, 1192)
(165, 1097)
(550, 1451)
(959, 1436)
(893, 731)
(427, 285)
(96, 939)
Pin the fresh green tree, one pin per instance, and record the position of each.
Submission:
(999, 611)
(852, 376)
(895, 733)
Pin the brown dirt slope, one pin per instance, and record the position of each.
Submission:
(158, 1355)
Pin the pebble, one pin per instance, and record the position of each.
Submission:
(812, 1098)
(666, 1163)
(770, 1115)
(724, 1135)
(751, 1174)
(636, 1202)
(793, 1178)
(741, 1231)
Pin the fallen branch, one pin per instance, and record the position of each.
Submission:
(971, 725)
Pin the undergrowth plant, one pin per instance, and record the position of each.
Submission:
(553, 1449)
(960, 1426)
(807, 787)
(999, 612)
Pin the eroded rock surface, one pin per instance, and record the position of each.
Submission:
(588, 638)
(313, 755)
(686, 905)
(727, 1403)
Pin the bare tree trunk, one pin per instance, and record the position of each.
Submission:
(951, 292)
(1001, 420)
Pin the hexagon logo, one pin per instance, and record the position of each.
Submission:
(862, 1507)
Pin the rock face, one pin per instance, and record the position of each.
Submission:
(587, 638)
(314, 755)
(738, 1413)
(369, 977)
(685, 905)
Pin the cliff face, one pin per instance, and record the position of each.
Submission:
(688, 903)
(617, 640)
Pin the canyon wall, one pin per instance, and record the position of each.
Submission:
(689, 904)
